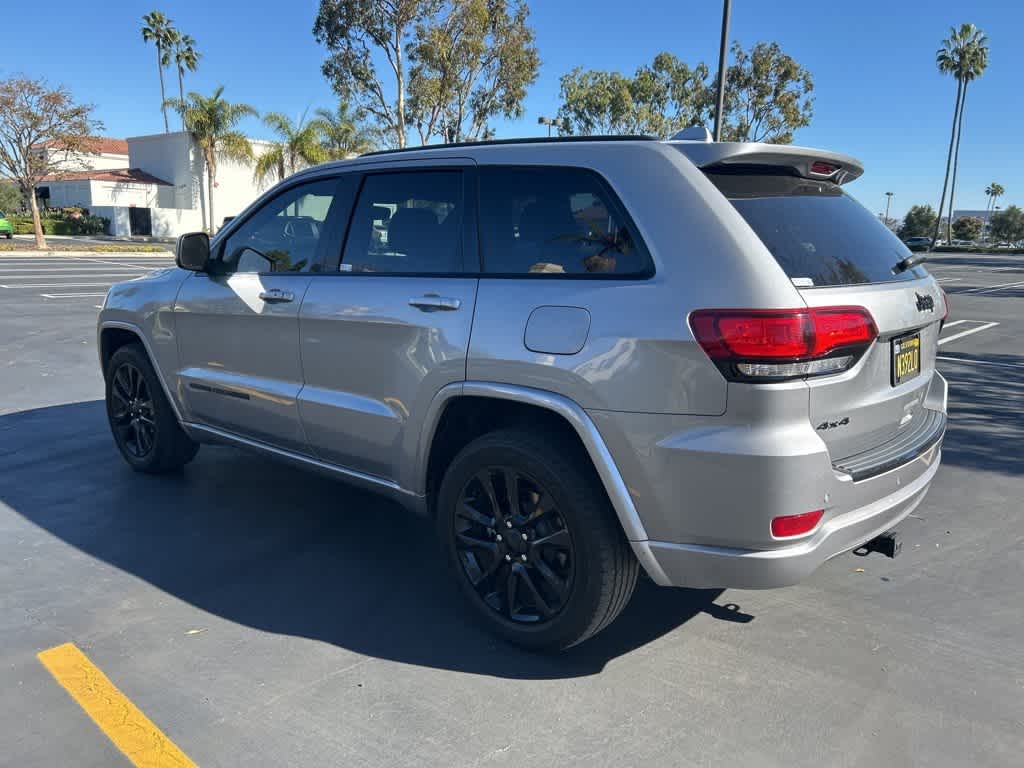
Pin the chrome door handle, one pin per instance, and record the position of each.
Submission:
(277, 296)
(432, 302)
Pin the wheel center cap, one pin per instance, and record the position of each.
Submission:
(515, 541)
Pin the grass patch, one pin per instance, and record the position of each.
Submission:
(10, 245)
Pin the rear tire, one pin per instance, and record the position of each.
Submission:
(141, 419)
(549, 570)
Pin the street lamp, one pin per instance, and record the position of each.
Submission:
(723, 51)
(549, 122)
(888, 201)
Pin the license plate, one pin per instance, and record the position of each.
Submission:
(906, 358)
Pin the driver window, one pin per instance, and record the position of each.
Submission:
(285, 234)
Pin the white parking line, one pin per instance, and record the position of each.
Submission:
(972, 361)
(71, 275)
(949, 279)
(57, 285)
(960, 335)
(959, 322)
(69, 295)
(991, 288)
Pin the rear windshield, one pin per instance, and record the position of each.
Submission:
(818, 234)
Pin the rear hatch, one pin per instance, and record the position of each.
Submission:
(838, 254)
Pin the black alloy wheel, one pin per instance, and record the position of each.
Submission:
(131, 410)
(514, 545)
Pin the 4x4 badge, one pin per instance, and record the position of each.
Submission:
(925, 303)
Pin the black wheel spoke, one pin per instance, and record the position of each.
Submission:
(137, 434)
(513, 545)
(132, 412)
(558, 539)
(474, 515)
(538, 599)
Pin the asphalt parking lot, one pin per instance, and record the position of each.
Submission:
(259, 615)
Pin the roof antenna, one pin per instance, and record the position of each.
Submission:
(693, 133)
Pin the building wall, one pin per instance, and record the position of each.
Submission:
(77, 161)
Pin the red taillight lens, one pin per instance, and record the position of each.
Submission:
(783, 343)
(825, 169)
(795, 525)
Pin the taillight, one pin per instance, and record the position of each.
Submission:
(754, 345)
(823, 168)
(788, 526)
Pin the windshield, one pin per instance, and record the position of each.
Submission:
(817, 233)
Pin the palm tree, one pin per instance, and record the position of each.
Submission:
(186, 57)
(342, 135)
(964, 54)
(157, 28)
(211, 120)
(299, 147)
(993, 191)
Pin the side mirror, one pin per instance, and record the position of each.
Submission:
(193, 251)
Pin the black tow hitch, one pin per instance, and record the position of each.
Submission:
(888, 544)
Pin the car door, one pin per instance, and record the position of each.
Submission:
(238, 322)
(389, 325)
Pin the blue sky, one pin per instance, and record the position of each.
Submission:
(878, 94)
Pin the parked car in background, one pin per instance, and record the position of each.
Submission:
(918, 243)
(526, 342)
(6, 228)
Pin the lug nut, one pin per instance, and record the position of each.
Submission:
(525, 537)
(498, 537)
(508, 523)
(523, 558)
(508, 557)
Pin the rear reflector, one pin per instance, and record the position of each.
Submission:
(783, 343)
(795, 525)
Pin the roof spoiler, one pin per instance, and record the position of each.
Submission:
(804, 161)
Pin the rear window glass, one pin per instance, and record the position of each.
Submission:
(555, 221)
(818, 234)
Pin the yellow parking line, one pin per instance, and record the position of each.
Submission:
(132, 732)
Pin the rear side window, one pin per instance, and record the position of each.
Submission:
(407, 223)
(555, 221)
(818, 234)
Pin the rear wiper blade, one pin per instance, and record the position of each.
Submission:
(911, 261)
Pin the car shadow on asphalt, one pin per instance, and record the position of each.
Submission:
(287, 551)
(986, 422)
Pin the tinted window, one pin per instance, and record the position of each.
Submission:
(407, 222)
(554, 221)
(817, 233)
(285, 235)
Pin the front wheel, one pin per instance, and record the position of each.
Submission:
(141, 419)
(533, 541)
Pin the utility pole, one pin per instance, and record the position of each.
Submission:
(888, 201)
(723, 52)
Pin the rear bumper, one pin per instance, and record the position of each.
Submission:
(695, 565)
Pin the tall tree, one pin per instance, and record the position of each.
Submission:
(298, 146)
(32, 112)
(186, 58)
(658, 100)
(468, 65)
(212, 121)
(353, 30)
(993, 191)
(918, 222)
(768, 95)
(157, 29)
(964, 55)
(967, 227)
(342, 133)
(1008, 225)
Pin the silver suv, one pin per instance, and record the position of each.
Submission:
(583, 358)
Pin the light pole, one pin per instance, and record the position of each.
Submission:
(549, 122)
(888, 202)
(723, 50)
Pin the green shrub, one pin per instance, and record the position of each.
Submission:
(86, 225)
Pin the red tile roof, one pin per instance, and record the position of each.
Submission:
(117, 175)
(100, 145)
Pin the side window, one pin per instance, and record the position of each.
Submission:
(409, 222)
(554, 221)
(286, 234)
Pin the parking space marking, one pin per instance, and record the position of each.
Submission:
(57, 285)
(958, 322)
(949, 279)
(955, 336)
(73, 275)
(991, 288)
(972, 361)
(145, 745)
(70, 295)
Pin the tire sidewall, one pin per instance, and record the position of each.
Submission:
(575, 504)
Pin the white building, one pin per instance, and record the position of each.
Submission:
(107, 153)
(163, 190)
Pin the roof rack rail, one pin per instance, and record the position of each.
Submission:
(502, 142)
